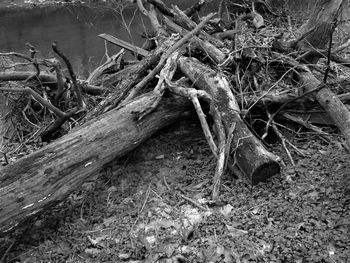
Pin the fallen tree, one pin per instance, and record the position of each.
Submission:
(49, 175)
(231, 79)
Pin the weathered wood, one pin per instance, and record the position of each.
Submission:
(251, 156)
(46, 177)
(329, 102)
(212, 51)
(121, 43)
(23, 75)
(127, 79)
(325, 13)
(112, 62)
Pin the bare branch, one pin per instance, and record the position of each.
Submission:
(72, 74)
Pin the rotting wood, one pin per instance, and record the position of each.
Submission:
(250, 155)
(330, 103)
(114, 133)
(126, 79)
(24, 75)
(47, 176)
(121, 43)
(112, 62)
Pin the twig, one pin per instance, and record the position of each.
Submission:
(204, 124)
(194, 8)
(123, 44)
(283, 141)
(16, 54)
(267, 92)
(113, 60)
(2, 259)
(273, 115)
(38, 98)
(193, 95)
(343, 46)
(56, 65)
(228, 143)
(163, 8)
(193, 202)
(33, 51)
(184, 197)
(220, 152)
(306, 124)
(165, 56)
(72, 74)
(220, 164)
(166, 76)
(334, 25)
(143, 206)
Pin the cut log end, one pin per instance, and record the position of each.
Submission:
(264, 171)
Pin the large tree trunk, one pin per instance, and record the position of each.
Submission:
(49, 175)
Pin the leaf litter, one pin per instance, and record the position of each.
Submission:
(156, 209)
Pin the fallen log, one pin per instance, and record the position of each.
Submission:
(249, 154)
(24, 75)
(330, 102)
(47, 176)
(334, 107)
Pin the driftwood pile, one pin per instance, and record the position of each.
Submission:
(230, 68)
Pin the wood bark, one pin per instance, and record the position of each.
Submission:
(49, 175)
(46, 177)
(249, 154)
(318, 31)
(127, 79)
(116, 41)
(320, 24)
(323, 19)
(330, 103)
(23, 75)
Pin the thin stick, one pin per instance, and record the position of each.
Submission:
(165, 56)
(166, 75)
(72, 74)
(329, 52)
(38, 98)
(273, 115)
(283, 140)
(193, 94)
(184, 197)
(220, 164)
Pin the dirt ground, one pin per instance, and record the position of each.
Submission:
(154, 206)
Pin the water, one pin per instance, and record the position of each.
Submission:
(76, 30)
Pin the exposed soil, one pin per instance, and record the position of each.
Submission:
(154, 206)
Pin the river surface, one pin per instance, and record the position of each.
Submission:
(75, 28)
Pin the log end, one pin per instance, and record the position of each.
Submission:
(264, 172)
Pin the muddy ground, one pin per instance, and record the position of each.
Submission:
(154, 206)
